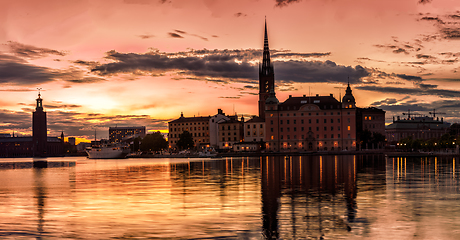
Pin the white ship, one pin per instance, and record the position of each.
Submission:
(107, 151)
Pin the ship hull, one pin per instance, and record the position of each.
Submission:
(107, 153)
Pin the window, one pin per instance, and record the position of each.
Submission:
(332, 120)
(295, 121)
(302, 129)
(309, 120)
(288, 129)
(254, 126)
(325, 128)
(228, 127)
(325, 135)
(332, 128)
(332, 135)
(223, 127)
(249, 133)
(301, 121)
(365, 117)
(288, 137)
(325, 121)
(234, 139)
(370, 118)
(223, 139)
(271, 122)
(229, 138)
(317, 120)
(281, 129)
(287, 121)
(338, 120)
(317, 128)
(349, 128)
(261, 125)
(271, 130)
(295, 129)
(281, 121)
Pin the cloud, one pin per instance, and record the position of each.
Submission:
(419, 91)
(174, 35)
(16, 71)
(28, 51)
(409, 77)
(240, 14)
(283, 3)
(424, 1)
(146, 36)
(233, 65)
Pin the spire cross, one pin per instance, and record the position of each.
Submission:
(39, 92)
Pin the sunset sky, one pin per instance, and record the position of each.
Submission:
(143, 62)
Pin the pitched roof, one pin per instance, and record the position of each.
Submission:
(323, 102)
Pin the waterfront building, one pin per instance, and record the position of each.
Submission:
(230, 132)
(39, 129)
(214, 127)
(416, 127)
(369, 119)
(254, 130)
(120, 134)
(319, 123)
(197, 126)
(39, 145)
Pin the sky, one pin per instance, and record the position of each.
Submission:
(107, 63)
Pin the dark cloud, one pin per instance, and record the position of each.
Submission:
(436, 19)
(174, 35)
(180, 31)
(443, 93)
(303, 55)
(32, 52)
(16, 71)
(452, 33)
(146, 36)
(282, 3)
(223, 64)
(409, 77)
(424, 1)
(240, 14)
(424, 56)
(316, 71)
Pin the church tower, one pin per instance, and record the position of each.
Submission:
(39, 131)
(348, 101)
(266, 76)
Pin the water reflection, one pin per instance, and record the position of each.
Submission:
(330, 197)
(312, 196)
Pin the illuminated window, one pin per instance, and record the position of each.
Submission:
(349, 128)
(370, 118)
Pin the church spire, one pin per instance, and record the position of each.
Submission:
(266, 54)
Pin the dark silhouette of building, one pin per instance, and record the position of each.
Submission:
(266, 76)
(39, 145)
(39, 131)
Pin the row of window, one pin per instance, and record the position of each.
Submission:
(309, 114)
(193, 134)
(254, 133)
(288, 137)
(186, 124)
(229, 139)
(254, 126)
(229, 128)
(309, 129)
(187, 129)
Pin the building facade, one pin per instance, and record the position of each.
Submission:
(254, 130)
(317, 123)
(120, 134)
(230, 133)
(417, 128)
(197, 126)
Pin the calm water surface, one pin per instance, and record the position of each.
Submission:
(309, 197)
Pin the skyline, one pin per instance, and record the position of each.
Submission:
(142, 63)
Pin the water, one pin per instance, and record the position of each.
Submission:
(308, 197)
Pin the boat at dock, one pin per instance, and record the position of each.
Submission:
(107, 151)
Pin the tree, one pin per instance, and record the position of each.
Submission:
(185, 141)
(154, 142)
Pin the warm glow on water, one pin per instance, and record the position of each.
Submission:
(348, 197)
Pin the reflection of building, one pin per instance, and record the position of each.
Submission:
(197, 126)
(308, 197)
(39, 145)
(416, 127)
(119, 134)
